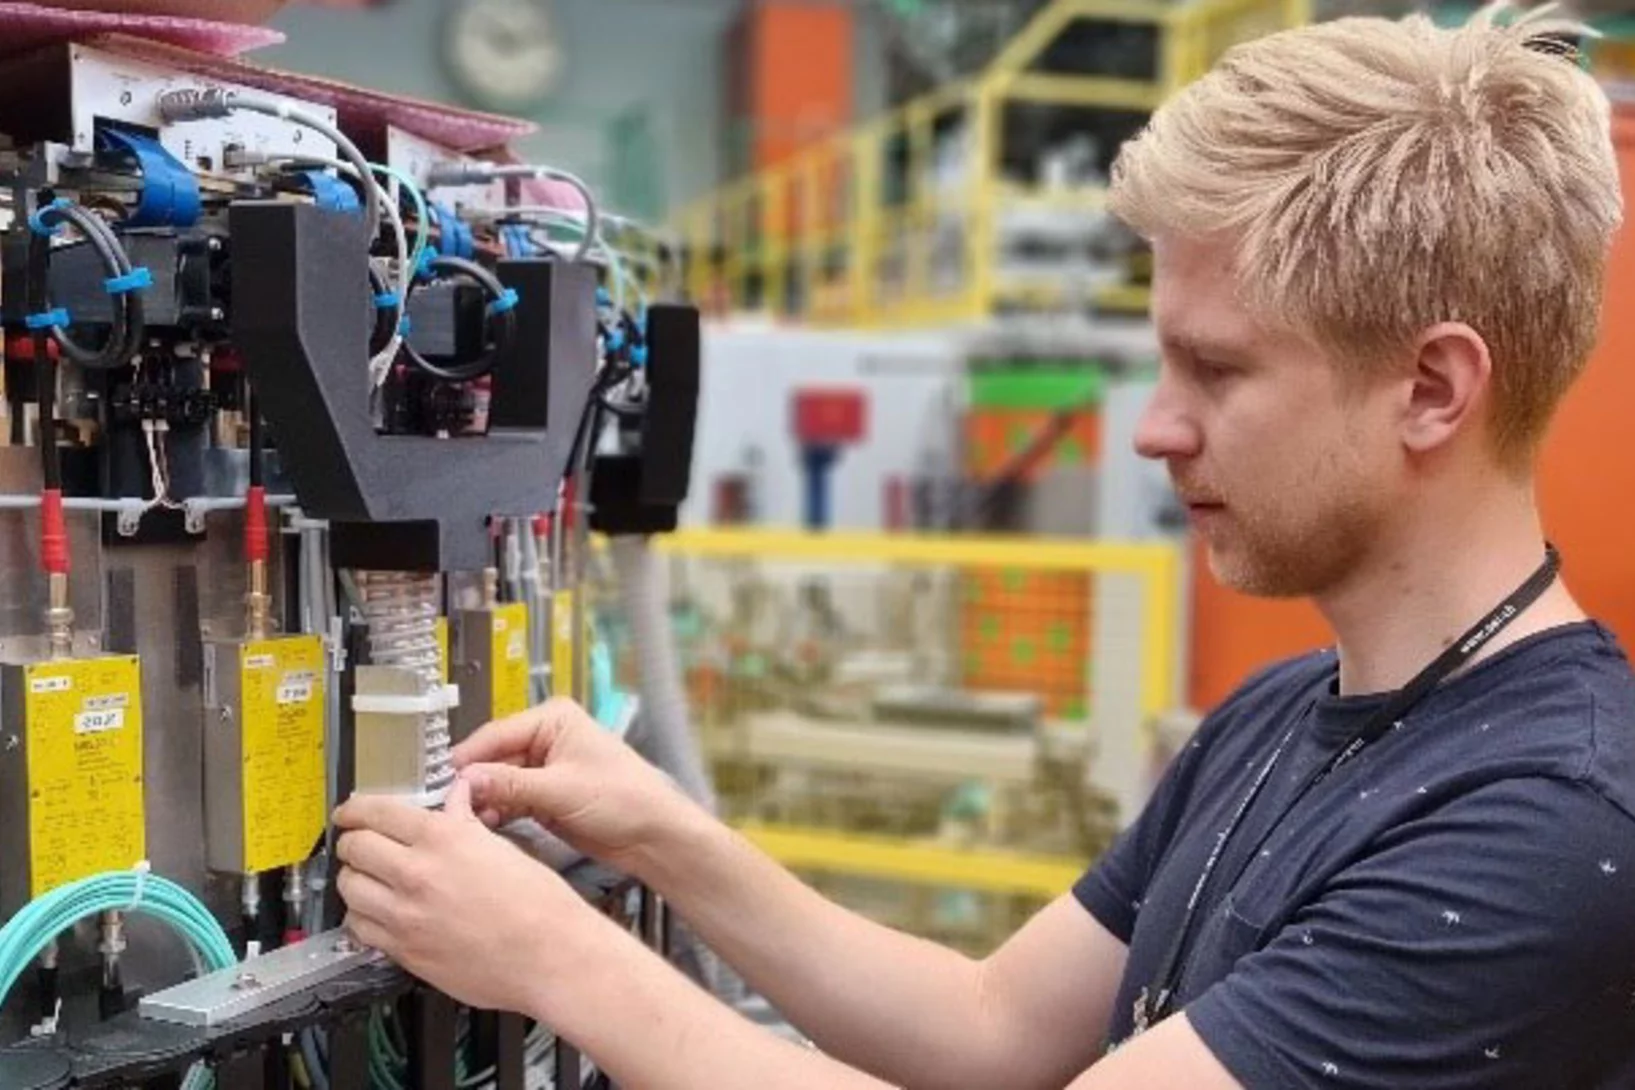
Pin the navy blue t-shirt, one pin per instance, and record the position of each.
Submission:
(1452, 910)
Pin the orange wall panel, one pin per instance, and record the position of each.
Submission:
(1587, 477)
(803, 75)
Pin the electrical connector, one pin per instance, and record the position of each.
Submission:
(195, 104)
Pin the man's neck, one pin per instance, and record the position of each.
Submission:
(1426, 587)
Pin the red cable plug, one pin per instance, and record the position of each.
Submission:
(257, 544)
(53, 533)
(294, 935)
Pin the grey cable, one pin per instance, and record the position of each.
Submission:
(197, 105)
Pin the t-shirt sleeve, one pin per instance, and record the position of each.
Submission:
(1113, 888)
(1115, 885)
(1489, 943)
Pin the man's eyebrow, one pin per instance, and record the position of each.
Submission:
(1205, 347)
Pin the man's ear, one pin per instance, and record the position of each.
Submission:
(1450, 386)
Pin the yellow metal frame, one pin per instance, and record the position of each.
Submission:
(923, 863)
(867, 261)
(1158, 566)
(980, 870)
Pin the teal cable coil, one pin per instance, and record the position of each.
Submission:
(36, 926)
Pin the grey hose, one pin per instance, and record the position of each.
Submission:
(663, 733)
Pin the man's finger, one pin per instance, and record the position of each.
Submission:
(368, 934)
(380, 857)
(525, 738)
(507, 790)
(458, 803)
(403, 823)
(364, 895)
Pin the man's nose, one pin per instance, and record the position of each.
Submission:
(1166, 430)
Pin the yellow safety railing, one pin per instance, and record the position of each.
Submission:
(902, 222)
(873, 723)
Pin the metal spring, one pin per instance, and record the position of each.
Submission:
(401, 610)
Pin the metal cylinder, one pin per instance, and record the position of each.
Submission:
(401, 610)
(259, 602)
(59, 617)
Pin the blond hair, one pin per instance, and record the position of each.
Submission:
(1376, 177)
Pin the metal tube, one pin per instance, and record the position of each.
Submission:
(295, 901)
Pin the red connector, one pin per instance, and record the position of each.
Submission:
(257, 544)
(294, 935)
(53, 533)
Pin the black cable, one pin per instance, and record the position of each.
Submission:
(45, 368)
(254, 412)
(125, 333)
(501, 327)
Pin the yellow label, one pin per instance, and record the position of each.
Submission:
(510, 660)
(285, 793)
(442, 647)
(564, 667)
(83, 720)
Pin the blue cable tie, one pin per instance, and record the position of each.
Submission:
(603, 299)
(36, 219)
(404, 325)
(506, 301)
(638, 355)
(137, 279)
(47, 319)
(615, 340)
(386, 300)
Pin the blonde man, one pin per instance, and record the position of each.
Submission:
(1407, 863)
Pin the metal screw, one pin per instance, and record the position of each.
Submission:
(344, 945)
(246, 981)
(213, 245)
(217, 314)
(129, 523)
(12, 742)
(125, 99)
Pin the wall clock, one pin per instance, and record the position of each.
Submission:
(502, 54)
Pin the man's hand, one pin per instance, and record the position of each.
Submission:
(458, 906)
(554, 764)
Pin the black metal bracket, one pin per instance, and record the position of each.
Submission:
(300, 306)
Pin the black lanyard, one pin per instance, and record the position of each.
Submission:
(1156, 1000)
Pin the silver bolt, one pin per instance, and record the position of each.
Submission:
(246, 981)
(344, 945)
(12, 742)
